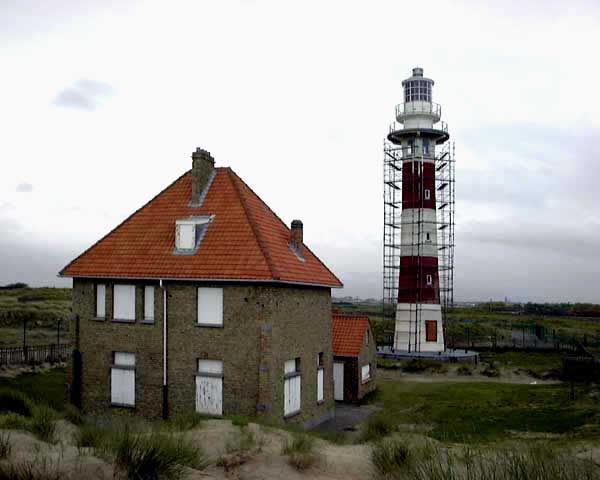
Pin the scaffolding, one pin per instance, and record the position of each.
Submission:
(444, 166)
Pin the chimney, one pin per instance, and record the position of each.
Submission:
(296, 239)
(203, 165)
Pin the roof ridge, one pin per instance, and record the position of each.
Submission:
(283, 223)
(253, 224)
(60, 274)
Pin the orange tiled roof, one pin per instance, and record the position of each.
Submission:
(245, 241)
(349, 334)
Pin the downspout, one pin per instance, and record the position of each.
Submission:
(165, 388)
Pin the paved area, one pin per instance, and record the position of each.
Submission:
(347, 418)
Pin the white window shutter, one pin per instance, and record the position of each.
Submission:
(124, 302)
(100, 301)
(122, 380)
(320, 385)
(210, 306)
(149, 303)
(210, 366)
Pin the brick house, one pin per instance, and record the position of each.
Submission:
(354, 357)
(204, 300)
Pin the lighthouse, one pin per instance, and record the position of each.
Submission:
(418, 220)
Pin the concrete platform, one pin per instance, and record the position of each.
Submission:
(450, 355)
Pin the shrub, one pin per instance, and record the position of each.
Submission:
(157, 456)
(376, 428)
(91, 436)
(13, 420)
(14, 401)
(239, 420)
(464, 370)
(300, 451)
(491, 370)
(73, 415)
(242, 442)
(5, 446)
(418, 365)
(390, 455)
(187, 421)
(42, 423)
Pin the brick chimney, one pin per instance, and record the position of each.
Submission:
(296, 237)
(203, 165)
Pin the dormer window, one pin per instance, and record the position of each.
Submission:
(189, 233)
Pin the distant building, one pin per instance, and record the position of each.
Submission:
(204, 300)
(354, 357)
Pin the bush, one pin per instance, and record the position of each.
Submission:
(42, 424)
(73, 415)
(464, 370)
(5, 446)
(187, 421)
(13, 420)
(153, 457)
(490, 370)
(389, 456)
(14, 401)
(376, 428)
(91, 436)
(242, 442)
(300, 451)
(240, 420)
(417, 365)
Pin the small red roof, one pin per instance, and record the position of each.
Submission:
(349, 334)
(245, 241)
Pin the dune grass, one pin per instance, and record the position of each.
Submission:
(47, 387)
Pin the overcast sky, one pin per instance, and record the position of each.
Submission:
(102, 103)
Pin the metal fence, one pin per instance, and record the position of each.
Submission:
(34, 354)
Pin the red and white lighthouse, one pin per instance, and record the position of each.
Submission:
(418, 184)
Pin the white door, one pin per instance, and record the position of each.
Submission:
(338, 381)
(209, 395)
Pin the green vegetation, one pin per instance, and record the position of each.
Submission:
(421, 365)
(30, 470)
(47, 387)
(153, 457)
(16, 402)
(398, 459)
(43, 423)
(300, 451)
(5, 446)
(485, 412)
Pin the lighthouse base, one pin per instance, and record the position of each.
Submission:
(419, 328)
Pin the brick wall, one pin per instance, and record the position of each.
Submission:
(263, 326)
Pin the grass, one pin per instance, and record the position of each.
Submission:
(153, 457)
(300, 451)
(29, 470)
(16, 402)
(43, 423)
(5, 446)
(47, 387)
(422, 365)
(396, 459)
(484, 412)
(534, 362)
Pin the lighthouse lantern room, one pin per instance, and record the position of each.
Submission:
(418, 245)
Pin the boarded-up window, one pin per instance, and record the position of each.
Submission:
(320, 384)
(209, 387)
(149, 304)
(365, 372)
(210, 306)
(122, 379)
(185, 236)
(101, 301)
(291, 387)
(431, 330)
(124, 302)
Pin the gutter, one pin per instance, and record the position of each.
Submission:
(165, 387)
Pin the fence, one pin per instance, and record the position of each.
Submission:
(34, 354)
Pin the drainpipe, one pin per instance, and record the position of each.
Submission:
(165, 387)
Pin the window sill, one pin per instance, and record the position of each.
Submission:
(293, 414)
(209, 325)
(147, 322)
(122, 320)
(121, 405)
(99, 319)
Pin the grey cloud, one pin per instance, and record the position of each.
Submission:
(25, 187)
(84, 95)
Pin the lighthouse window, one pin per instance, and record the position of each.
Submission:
(428, 237)
(429, 279)
(426, 146)
(427, 195)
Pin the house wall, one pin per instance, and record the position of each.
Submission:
(263, 326)
(368, 354)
